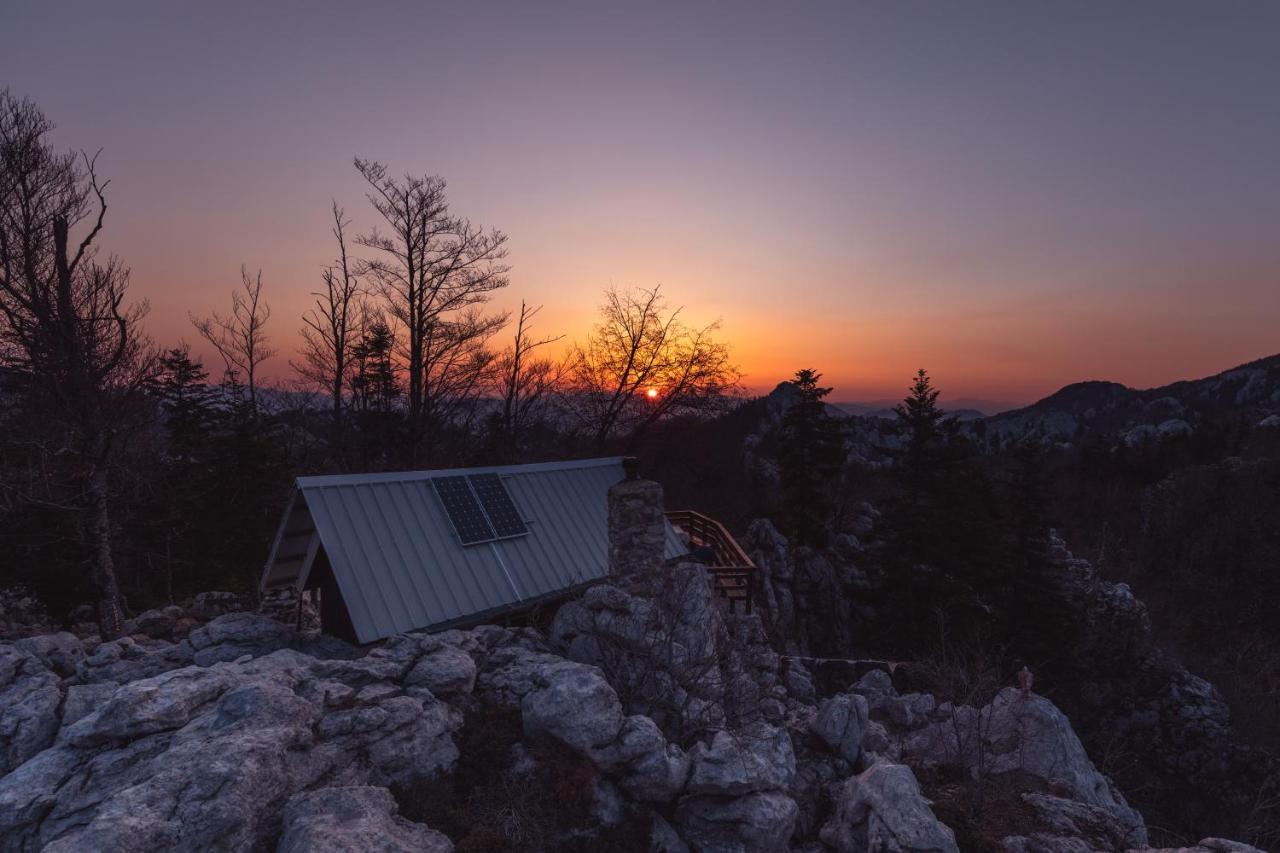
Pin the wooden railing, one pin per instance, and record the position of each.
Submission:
(732, 572)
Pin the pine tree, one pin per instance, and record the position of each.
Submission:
(925, 459)
(1036, 612)
(188, 402)
(811, 457)
(376, 392)
(943, 552)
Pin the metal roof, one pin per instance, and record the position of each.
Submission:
(399, 565)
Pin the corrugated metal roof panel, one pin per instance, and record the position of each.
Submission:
(400, 566)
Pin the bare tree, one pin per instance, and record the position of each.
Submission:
(435, 269)
(641, 364)
(66, 325)
(525, 382)
(240, 337)
(330, 329)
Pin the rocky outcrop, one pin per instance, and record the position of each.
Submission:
(124, 660)
(882, 809)
(820, 584)
(208, 756)
(668, 712)
(672, 654)
(235, 635)
(755, 823)
(353, 820)
(1206, 845)
(842, 722)
(30, 693)
(1174, 722)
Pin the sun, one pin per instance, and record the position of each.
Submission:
(652, 393)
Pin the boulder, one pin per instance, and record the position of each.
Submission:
(743, 762)
(882, 811)
(575, 706)
(841, 723)
(644, 764)
(83, 699)
(154, 623)
(1026, 733)
(444, 671)
(123, 660)
(30, 694)
(60, 652)
(234, 635)
(1205, 845)
(207, 757)
(160, 703)
(511, 672)
(1065, 821)
(353, 820)
(663, 837)
(756, 823)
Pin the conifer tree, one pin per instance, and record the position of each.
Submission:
(181, 385)
(1037, 613)
(943, 542)
(811, 458)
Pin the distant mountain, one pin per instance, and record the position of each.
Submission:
(1088, 409)
(964, 408)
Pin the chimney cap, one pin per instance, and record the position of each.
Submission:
(631, 467)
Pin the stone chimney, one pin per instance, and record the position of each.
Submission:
(637, 526)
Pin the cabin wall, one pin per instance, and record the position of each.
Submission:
(334, 618)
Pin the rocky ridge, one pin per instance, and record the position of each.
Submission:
(247, 735)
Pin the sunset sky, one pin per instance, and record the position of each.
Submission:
(1014, 195)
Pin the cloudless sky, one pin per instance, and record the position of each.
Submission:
(1013, 195)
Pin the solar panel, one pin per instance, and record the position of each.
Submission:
(497, 503)
(468, 519)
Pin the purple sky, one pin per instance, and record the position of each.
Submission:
(1013, 195)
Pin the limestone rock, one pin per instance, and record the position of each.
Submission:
(882, 811)
(353, 820)
(446, 670)
(29, 697)
(1206, 845)
(207, 757)
(743, 762)
(154, 623)
(574, 705)
(60, 652)
(123, 660)
(755, 823)
(236, 634)
(645, 765)
(83, 699)
(841, 723)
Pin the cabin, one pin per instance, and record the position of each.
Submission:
(429, 550)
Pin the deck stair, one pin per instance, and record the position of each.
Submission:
(732, 572)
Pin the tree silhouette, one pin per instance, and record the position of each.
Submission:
(811, 457)
(65, 324)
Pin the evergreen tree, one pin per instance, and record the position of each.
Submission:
(182, 388)
(376, 392)
(942, 558)
(811, 457)
(925, 462)
(1038, 616)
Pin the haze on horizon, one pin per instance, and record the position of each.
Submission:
(1015, 197)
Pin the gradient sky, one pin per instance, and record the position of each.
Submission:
(1013, 195)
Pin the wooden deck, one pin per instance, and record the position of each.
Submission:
(732, 572)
